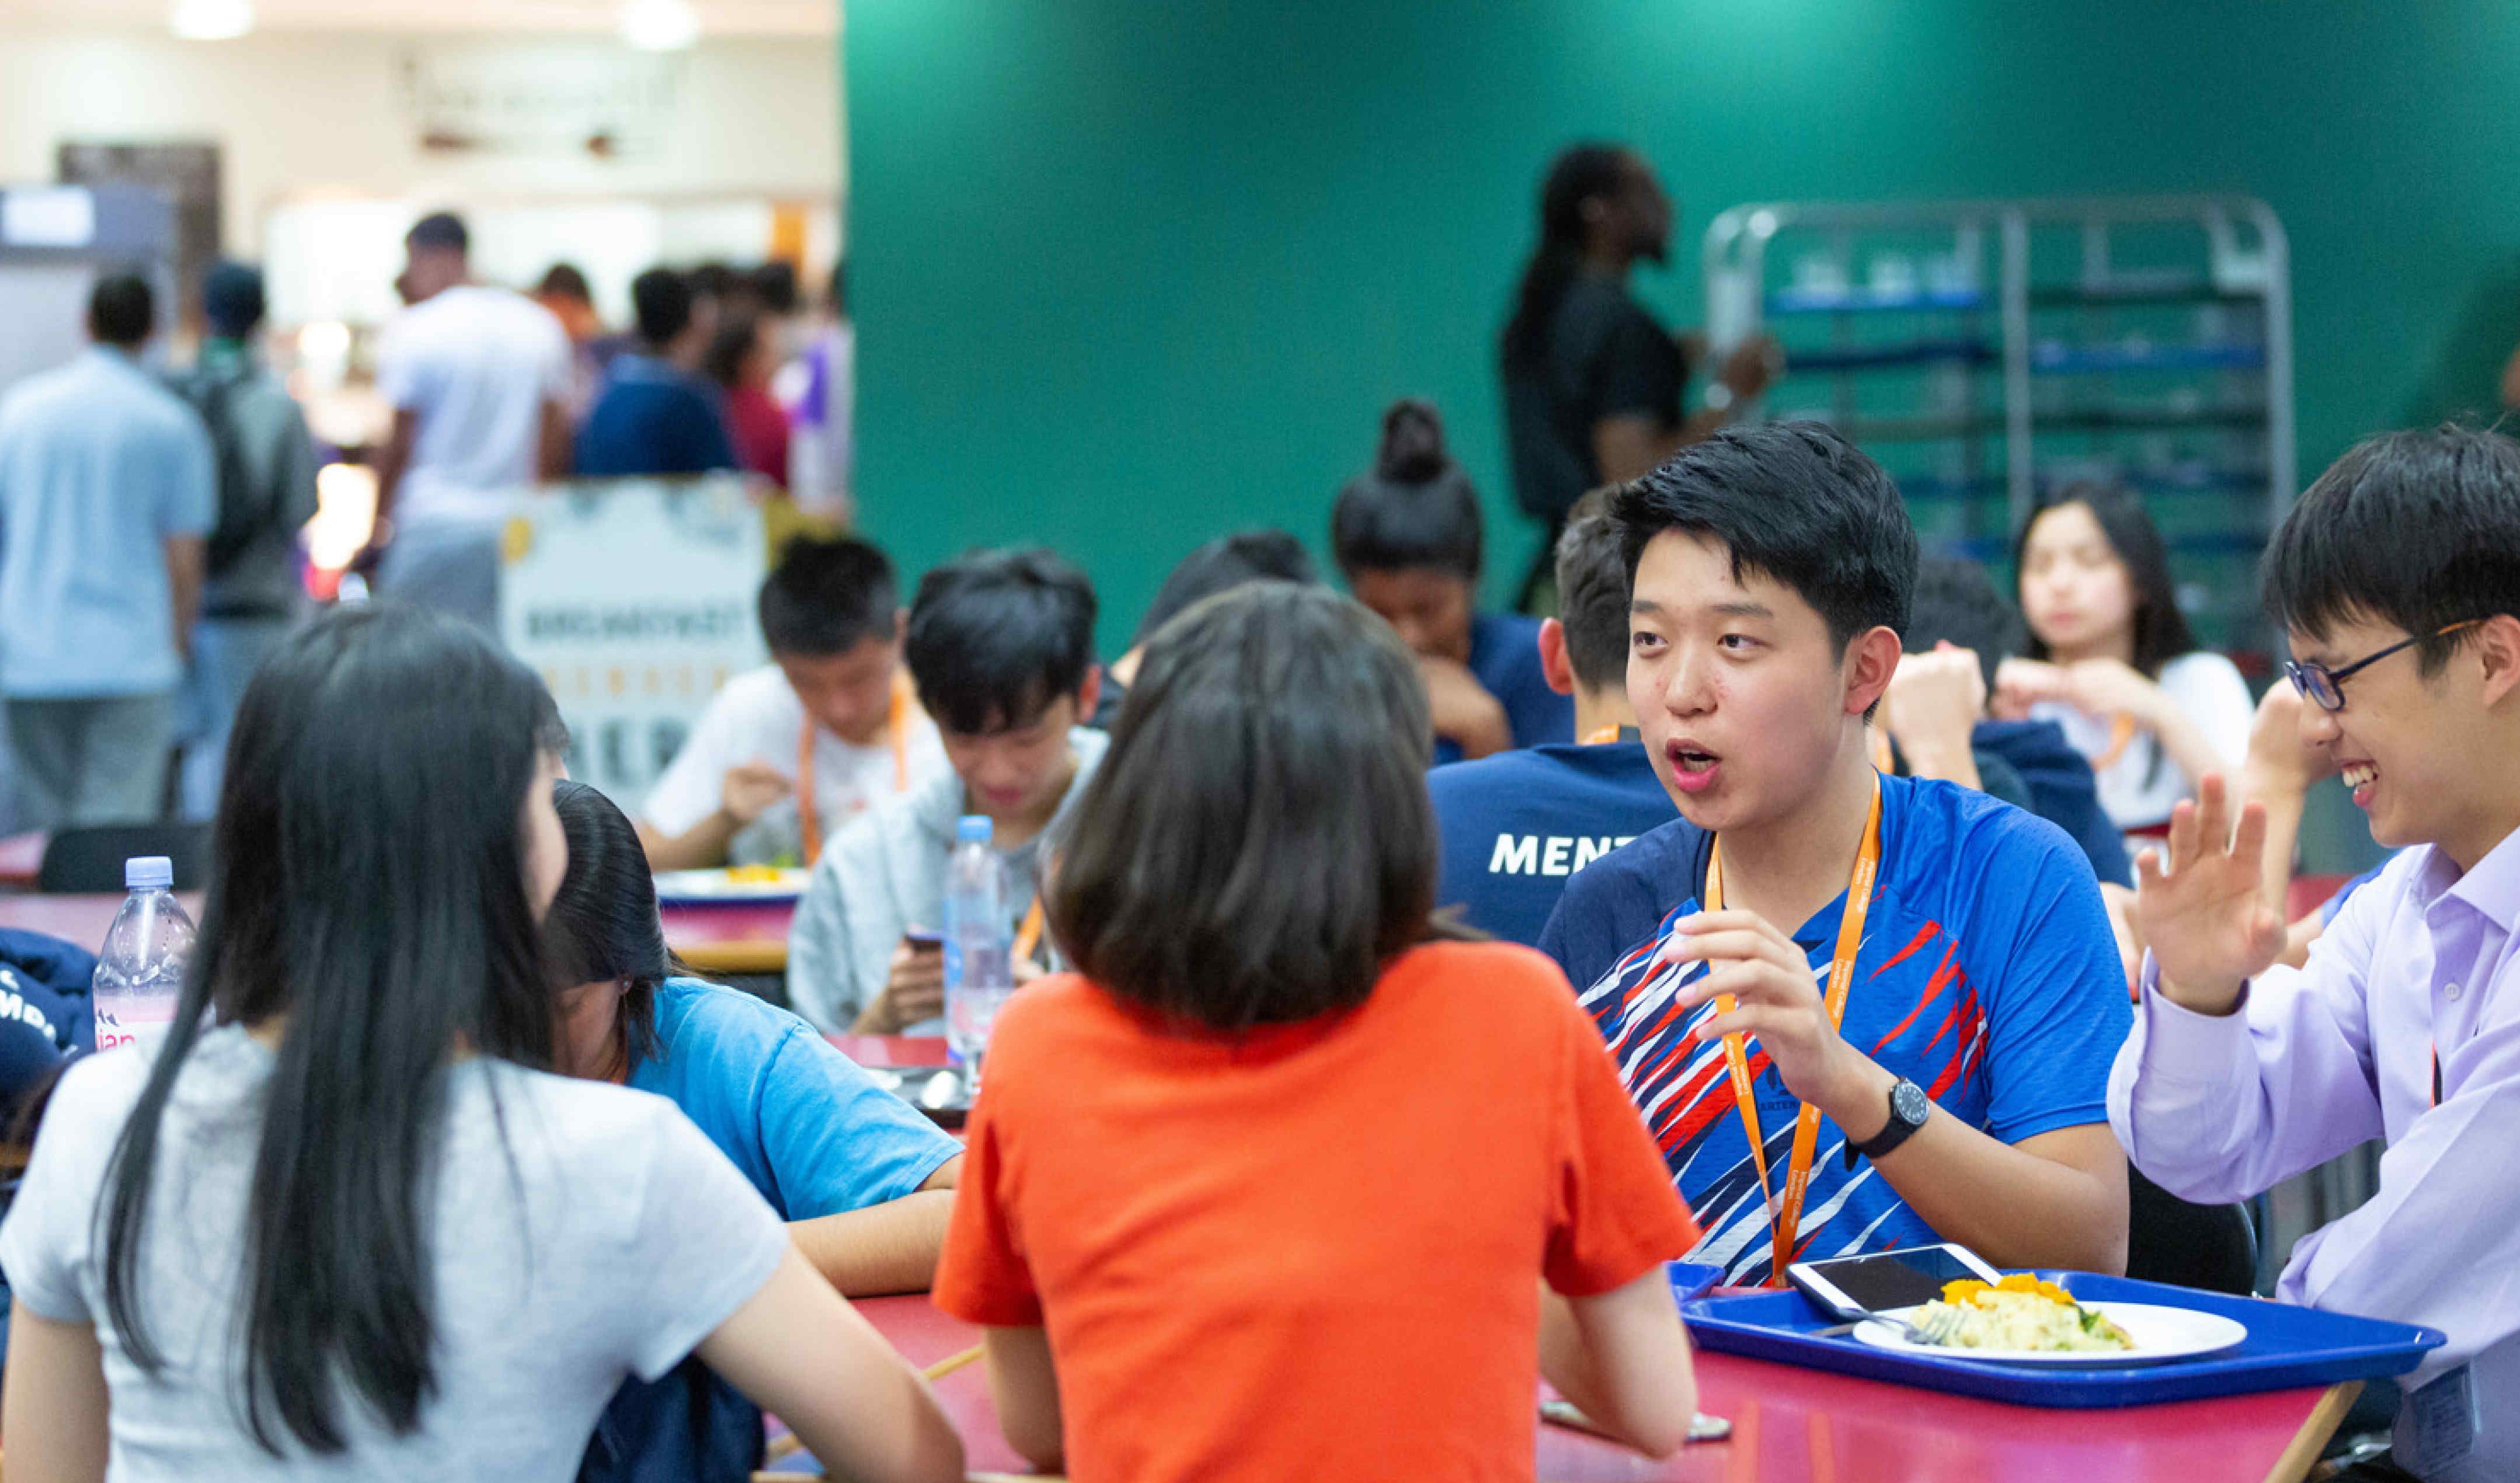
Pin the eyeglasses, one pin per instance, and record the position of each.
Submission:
(2327, 686)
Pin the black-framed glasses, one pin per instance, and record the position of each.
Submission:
(2327, 686)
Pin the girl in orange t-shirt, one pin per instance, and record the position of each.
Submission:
(1263, 1191)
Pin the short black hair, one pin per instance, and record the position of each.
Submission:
(232, 299)
(2417, 530)
(438, 231)
(2161, 631)
(1257, 844)
(729, 346)
(662, 300)
(1593, 592)
(563, 280)
(1957, 603)
(717, 281)
(603, 923)
(827, 596)
(774, 286)
(1264, 554)
(121, 310)
(1794, 502)
(1414, 508)
(996, 636)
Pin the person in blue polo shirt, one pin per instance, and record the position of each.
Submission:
(1408, 537)
(1517, 825)
(863, 1179)
(657, 415)
(1922, 972)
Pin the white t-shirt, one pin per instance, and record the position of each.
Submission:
(2139, 789)
(580, 1232)
(476, 363)
(757, 718)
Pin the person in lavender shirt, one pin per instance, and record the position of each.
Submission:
(2398, 580)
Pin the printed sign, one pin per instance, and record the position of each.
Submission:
(634, 599)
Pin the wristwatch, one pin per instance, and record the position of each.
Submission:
(1910, 1106)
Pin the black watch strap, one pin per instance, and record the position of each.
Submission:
(1910, 1106)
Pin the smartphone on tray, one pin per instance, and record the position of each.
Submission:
(1850, 1286)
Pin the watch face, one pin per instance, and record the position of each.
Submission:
(1910, 1104)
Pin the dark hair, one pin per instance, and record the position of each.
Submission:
(440, 232)
(1593, 592)
(995, 635)
(662, 299)
(717, 281)
(774, 286)
(1957, 603)
(1794, 502)
(2161, 632)
(2418, 529)
(728, 349)
(562, 280)
(1265, 554)
(1254, 846)
(367, 881)
(1414, 507)
(121, 310)
(604, 922)
(1584, 172)
(827, 596)
(232, 299)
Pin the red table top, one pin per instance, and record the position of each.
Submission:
(1792, 1425)
(81, 920)
(21, 856)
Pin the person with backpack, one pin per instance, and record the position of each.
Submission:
(266, 479)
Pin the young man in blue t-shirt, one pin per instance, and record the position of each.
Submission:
(1408, 537)
(1962, 1096)
(1516, 826)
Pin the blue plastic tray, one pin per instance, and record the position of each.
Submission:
(2287, 1348)
(1692, 1279)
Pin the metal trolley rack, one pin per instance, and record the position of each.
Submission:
(1986, 350)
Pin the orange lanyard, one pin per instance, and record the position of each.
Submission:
(1028, 935)
(2120, 731)
(809, 819)
(1786, 1211)
(1601, 735)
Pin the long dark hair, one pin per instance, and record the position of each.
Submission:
(604, 922)
(1258, 842)
(2161, 632)
(1580, 174)
(368, 883)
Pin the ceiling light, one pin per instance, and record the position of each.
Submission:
(659, 25)
(212, 19)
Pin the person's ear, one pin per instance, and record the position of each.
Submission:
(2498, 651)
(1089, 694)
(1871, 658)
(1554, 665)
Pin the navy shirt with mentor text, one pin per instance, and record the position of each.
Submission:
(1516, 826)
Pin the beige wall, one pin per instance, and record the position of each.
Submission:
(298, 113)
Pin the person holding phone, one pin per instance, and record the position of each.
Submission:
(1000, 647)
(1285, 1182)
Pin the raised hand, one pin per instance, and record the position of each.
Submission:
(750, 788)
(2201, 913)
(1776, 1001)
(2020, 683)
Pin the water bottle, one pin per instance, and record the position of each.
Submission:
(978, 945)
(140, 974)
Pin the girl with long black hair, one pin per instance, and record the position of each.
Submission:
(344, 1224)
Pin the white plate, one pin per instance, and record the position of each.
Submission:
(675, 887)
(2160, 1333)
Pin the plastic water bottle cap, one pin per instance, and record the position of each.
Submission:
(973, 828)
(149, 873)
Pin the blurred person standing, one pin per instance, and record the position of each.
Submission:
(108, 485)
(1593, 381)
(479, 378)
(266, 462)
(564, 293)
(657, 415)
(742, 357)
(822, 449)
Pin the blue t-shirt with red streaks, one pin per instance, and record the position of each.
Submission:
(1987, 975)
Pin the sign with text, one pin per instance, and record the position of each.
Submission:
(634, 599)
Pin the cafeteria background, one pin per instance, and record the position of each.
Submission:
(1118, 278)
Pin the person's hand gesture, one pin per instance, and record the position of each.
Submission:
(1776, 999)
(2202, 914)
(2020, 683)
(750, 788)
(1935, 701)
(1464, 711)
(2112, 688)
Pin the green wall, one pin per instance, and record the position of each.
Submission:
(1131, 272)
